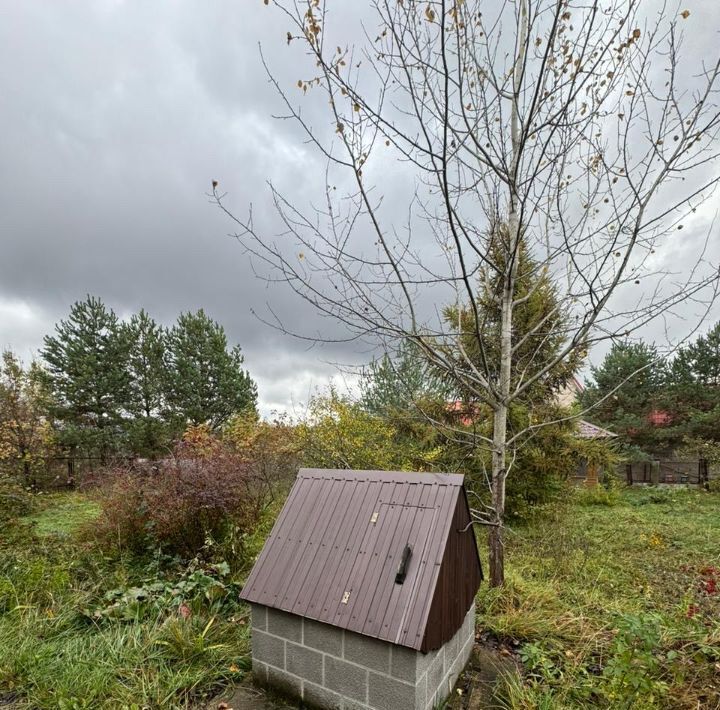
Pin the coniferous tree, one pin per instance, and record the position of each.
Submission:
(206, 383)
(693, 392)
(146, 384)
(552, 453)
(87, 366)
(538, 326)
(398, 383)
(626, 388)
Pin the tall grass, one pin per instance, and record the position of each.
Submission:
(63, 645)
(613, 605)
(609, 606)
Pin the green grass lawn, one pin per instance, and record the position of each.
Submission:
(82, 630)
(63, 514)
(614, 606)
(607, 605)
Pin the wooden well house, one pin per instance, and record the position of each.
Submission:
(363, 596)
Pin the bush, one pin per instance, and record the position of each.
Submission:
(271, 448)
(609, 493)
(198, 590)
(15, 501)
(338, 433)
(655, 496)
(633, 670)
(178, 505)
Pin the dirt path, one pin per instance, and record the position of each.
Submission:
(248, 697)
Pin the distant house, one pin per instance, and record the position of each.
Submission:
(462, 412)
(660, 417)
(587, 472)
(587, 430)
(568, 395)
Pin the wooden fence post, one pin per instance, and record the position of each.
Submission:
(591, 479)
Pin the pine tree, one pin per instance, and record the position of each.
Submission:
(625, 389)
(146, 384)
(87, 367)
(206, 383)
(397, 384)
(693, 393)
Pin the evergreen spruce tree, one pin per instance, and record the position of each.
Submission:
(550, 455)
(86, 361)
(397, 384)
(538, 323)
(206, 383)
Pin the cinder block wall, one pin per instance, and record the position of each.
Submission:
(335, 669)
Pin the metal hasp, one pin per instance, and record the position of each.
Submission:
(404, 561)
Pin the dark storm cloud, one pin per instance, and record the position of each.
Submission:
(115, 118)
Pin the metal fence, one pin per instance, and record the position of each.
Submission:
(670, 471)
(62, 472)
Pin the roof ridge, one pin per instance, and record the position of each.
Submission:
(441, 478)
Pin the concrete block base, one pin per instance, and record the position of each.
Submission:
(333, 669)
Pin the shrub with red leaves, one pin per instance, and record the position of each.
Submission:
(175, 504)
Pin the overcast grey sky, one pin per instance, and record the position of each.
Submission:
(116, 115)
(115, 118)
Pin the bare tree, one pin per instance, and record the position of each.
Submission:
(567, 126)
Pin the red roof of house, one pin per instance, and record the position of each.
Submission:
(659, 417)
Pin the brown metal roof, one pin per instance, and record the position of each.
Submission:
(336, 546)
(587, 430)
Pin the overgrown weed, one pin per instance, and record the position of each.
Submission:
(614, 605)
(90, 630)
